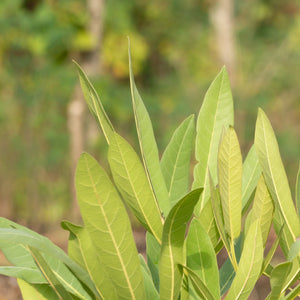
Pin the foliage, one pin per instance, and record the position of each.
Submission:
(103, 261)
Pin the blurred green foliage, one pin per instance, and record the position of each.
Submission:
(174, 57)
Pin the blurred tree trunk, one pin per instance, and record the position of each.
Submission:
(90, 61)
(222, 18)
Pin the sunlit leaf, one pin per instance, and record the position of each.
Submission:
(130, 178)
(201, 257)
(275, 177)
(108, 225)
(172, 250)
(148, 145)
(249, 265)
(175, 162)
(216, 113)
(94, 104)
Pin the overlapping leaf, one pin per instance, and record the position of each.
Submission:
(153, 254)
(249, 265)
(148, 145)
(201, 257)
(216, 113)
(172, 250)
(94, 104)
(108, 225)
(130, 178)
(175, 162)
(276, 179)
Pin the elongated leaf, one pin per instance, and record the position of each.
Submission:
(201, 257)
(148, 145)
(263, 209)
(298, 192)
(293, 274)
(130, 178)
(251, 174)
(271, 253)
(275, 176)
(29, 274)
(172, 250)
(294, 250)
(151, 292)
(249, 265)
(199, 286)
(230, 181)
(277, 283)
(36, 291)
(108, 225)
(293, 294)
(153, 254)
(14, 240)
(49, 275)
(94, 104)
(175, 162)
(216, 112)
(92, 263)
(208, 222)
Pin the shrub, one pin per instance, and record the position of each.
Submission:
(103, 261)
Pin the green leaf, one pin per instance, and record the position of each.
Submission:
(199, 286)
(216, 113)
(298, 192)
(278, 275)
(263, 209)
(249, 265)
(251, 175)
(208, 222)
(230, 182)
(130, 178)
(49, 275)
(201, 257)
(293, 294)
(153, 254)
(275, 177)
(148, 145)
(151, 292)
(29, 274)
(14, 240)
(294, 250)
(92, 263)
(36, 291)
(108, 225)
(175, 162)
(293, 275)
(94, 104)
(172, 250)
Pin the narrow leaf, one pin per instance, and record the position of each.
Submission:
(130, 178)
(230, 181)
(294, 250)
(49, 275)
(108, 225)
(172, 250)
(293, 294)
(249, 265)
(275, 176)
(175, 162)
(251, 175)
(277, 283)
(92, 263)
(263, 209)
(216, 112)
(298, 192)
(198, 284)
(94, 104)
(29, 274)
(148, 145)
(201, 257)
(36, 291)
(153, 254)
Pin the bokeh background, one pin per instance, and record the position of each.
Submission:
(178, 47)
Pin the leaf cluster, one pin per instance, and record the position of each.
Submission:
(102, 260)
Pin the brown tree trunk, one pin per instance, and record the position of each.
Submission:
(222, 17)
(76, 110)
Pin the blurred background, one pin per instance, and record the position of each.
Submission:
(178, 47)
